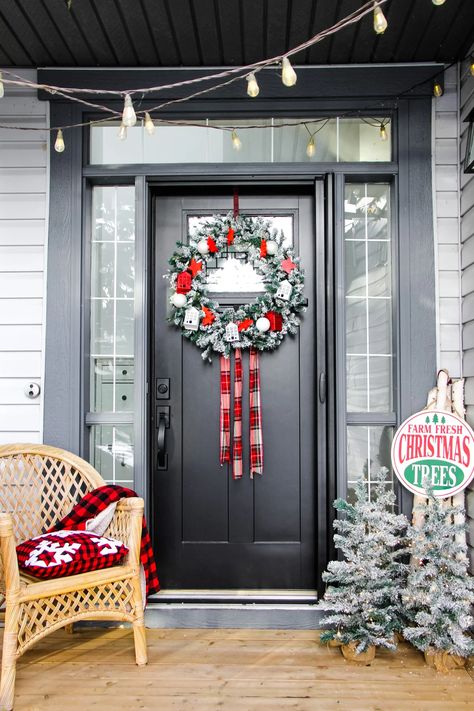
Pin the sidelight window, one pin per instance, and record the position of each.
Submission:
(369, 341)
(111, 359)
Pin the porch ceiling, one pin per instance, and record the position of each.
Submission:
(194, 33)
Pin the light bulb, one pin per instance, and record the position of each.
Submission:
(236, 142)
(383, 132)
(122, 134)
(380, 21)
(129, 117)
(288, 74)
(438, 2)
(471, 66)
(149, 125)
(59, 144)
(253, 88)
(311, 147)
(2, 88)
(437, 89)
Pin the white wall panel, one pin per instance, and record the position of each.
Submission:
(23, 230)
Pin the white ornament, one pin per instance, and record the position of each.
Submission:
(272, 247)
(191, 319)
(263, 324)
(179, 300)
(284, 290)
(231, 333)
(203, 247)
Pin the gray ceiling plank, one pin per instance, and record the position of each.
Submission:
(162, 33)
(325, 17)
(339, 49)
(386, 45)
(89, 26)
(455, 38)
(183, 27)
(119, 38)
(276, 29)
(139, 31)
(19, 24)
(209, 38)
(11, 46)
(51, 36)
(231, 29)
(75, 37)
(253, 30)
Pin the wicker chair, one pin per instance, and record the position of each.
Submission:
(38, 486)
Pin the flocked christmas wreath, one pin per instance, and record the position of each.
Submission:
(261, 324)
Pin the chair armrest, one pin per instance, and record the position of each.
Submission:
(126, 526)
(8, 555)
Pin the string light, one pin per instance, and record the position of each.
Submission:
(122, 134)
(253, 88)
(437, 89)
(2, 88)
(149, 125)
(471, 66)
(129, 117)
(311, 147)
(236, 142)
(383, 132)
(438, 2)
(288, 74)
(380, 21)
(59, 144)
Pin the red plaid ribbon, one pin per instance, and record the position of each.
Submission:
(96, 501)
(256, 436)
(225, 411)
(237, 444)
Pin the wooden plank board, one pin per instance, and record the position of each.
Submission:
(232, 669)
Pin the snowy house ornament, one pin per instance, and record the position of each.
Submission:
(191, 319)
(284, 290)
(231, 333)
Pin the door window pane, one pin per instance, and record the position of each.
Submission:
(263, 140)
(368, 450)
(112, 299)
(230, 272)
(112, 452)
(368, 297)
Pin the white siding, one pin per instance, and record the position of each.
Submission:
(467, 258)
(23, 231)
(446, 206)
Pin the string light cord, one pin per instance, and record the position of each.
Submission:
(347, 21)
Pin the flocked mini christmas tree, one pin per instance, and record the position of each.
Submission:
(439, 591)
(363, 592)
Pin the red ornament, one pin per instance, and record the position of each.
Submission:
(183, 283)
(245, 324)
(209, 317)
(263, 248)
(213, 248)
(194, 267)
(230, 236)
(287, 265)
(276, 320)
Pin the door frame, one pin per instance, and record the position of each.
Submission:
(316, 187)
(69, 219)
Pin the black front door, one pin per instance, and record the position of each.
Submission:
(211, 532)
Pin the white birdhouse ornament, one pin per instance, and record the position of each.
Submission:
(284, 290)
(191, 319)
(231, 333)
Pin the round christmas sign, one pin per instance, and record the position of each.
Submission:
(434, 446)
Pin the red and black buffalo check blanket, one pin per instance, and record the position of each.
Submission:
(96, 501)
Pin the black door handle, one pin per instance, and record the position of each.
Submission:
(161, 443)
(322, 387)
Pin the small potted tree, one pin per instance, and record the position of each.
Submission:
(439, 592)
(363, 591)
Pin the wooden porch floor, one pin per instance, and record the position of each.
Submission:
(200, 669)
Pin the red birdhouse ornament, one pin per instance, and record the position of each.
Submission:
(183, 283)
(276, 320)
